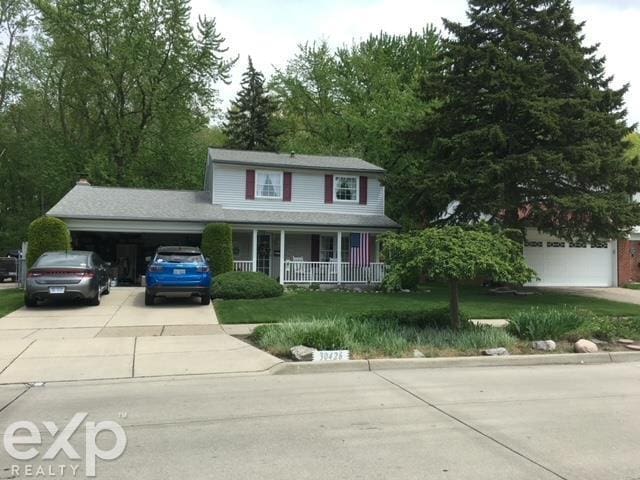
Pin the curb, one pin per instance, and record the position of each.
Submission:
(289, 368)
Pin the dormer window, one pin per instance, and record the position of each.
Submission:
(345, 188)
(269, 185)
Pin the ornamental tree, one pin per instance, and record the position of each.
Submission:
(455, 253)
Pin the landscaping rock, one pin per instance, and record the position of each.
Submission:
(544, 345)
(585, 346)
(418, 354)
(633, 347)
(493, 352)
(300, 353)
(625, 341)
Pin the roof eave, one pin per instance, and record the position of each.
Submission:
(377, 170)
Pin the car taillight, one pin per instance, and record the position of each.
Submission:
(33, 274)
(203, 269)
(155, 268)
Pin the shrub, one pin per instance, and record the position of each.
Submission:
(547, 323)
(233, 285)
(432, 318)
(46, 234)
(217, 246)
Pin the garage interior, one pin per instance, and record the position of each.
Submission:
(129, 253)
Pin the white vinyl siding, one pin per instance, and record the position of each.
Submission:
(307, 194)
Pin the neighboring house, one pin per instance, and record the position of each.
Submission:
(297, 218)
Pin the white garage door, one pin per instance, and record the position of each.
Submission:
(564, 264)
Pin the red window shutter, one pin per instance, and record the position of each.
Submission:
(250, 189)
(286, 194)
(315, 248)
(328, 189)
(364, 190)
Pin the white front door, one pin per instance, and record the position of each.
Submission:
(564, 264)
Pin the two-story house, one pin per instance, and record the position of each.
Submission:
(297, 218)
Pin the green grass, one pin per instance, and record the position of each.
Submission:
(475, 301)
(10, 300)
(371, 339)
(633, 286)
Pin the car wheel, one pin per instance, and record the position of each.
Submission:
(95, 301)
(29, 301)
(149, 299)
(205, 299)
(107, 290)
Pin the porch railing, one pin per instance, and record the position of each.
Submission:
(327, 272)
(243, 265)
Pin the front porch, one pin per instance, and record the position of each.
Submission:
(296, 257)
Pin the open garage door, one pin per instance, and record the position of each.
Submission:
(566, 264)
(127, 251)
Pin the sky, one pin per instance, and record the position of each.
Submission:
(270, 30)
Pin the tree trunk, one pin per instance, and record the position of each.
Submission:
(454, 304)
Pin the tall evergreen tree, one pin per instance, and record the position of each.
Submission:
(530, 130)
(249, 124)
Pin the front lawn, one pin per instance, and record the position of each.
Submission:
(476, 302)
(10, 300)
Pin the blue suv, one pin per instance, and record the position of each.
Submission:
(178, 270)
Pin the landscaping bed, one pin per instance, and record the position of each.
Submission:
(425, 333)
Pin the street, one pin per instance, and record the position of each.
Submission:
(547, 422)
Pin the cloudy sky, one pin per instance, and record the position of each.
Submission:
(269, 30)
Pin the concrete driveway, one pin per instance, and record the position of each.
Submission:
(121, 338)
(625, 295)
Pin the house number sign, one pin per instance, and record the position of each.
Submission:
(330, 355)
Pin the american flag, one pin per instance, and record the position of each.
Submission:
(359, 250)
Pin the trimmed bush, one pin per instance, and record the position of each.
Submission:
(539, 323)
(432, 318)
(217, 246)
(235, 285)
(46, 234)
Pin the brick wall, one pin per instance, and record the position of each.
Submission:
(628, 261)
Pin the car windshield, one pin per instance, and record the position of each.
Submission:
(62, 260)
(178, 257)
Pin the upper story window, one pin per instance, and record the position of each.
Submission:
(269, 185)
(345, 188)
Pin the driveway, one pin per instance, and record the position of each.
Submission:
(120, 338)
(625, 295)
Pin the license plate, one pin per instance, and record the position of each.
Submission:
(179, 271)
(56, 290)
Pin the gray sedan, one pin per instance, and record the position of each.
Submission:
(71, 275)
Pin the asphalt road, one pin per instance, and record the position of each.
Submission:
(547, 422)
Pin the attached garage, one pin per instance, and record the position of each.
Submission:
(571, 264)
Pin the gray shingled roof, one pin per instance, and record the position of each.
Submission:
(88, 202)
(286, 160)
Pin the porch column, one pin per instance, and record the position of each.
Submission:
(282, 257)
(254, 251)
(339, 256)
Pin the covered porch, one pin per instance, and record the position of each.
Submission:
(305, 257)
